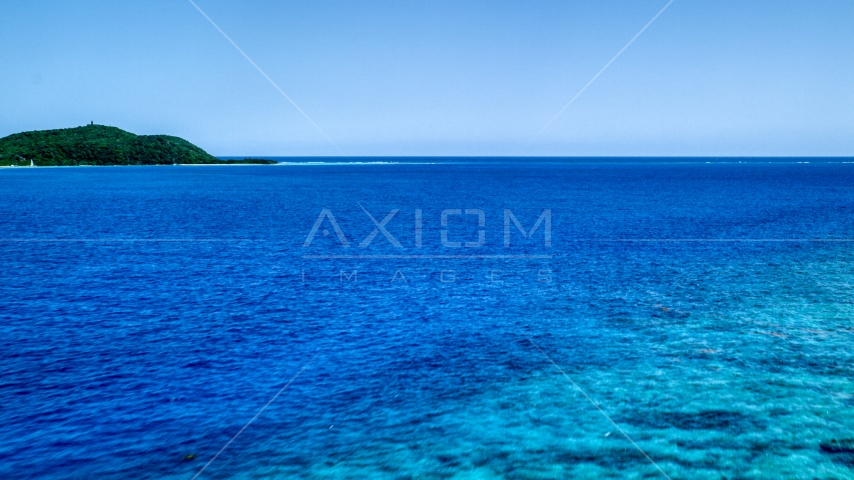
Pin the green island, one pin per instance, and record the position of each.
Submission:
(101, 145)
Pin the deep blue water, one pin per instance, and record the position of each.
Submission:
(148, 313)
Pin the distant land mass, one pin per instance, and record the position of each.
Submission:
(102, 145)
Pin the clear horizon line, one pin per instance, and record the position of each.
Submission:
(261, 157)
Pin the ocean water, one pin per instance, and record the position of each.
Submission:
(688, 320)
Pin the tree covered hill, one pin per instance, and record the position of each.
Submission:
(102, 145)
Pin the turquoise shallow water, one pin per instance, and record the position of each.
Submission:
(149, 313)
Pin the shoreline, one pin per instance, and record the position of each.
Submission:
(168, 165)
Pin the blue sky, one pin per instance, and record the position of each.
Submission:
(714, 77)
